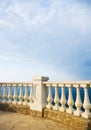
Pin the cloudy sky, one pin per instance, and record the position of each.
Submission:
(45, 38)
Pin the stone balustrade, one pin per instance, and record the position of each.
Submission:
(41, 94)
(9, 93)
(75, 107)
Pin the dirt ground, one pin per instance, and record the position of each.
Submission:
(17, 121)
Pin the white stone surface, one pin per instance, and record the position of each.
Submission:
(40, 94)
(70, 100)
(63, 100)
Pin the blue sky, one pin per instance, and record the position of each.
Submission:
(45, 38)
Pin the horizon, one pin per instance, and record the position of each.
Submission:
(45, 37)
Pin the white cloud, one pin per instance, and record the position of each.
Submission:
(34, 13)
(15, 57)
(5, 23)
(51, 38)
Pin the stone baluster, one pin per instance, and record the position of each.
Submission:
(26, 95)
(15, 94)
(4, 93)
(63, 99)
(49, 99)
(86, 104)
(56, 99)
(20, 95)
(31, 95)
(70, 100)
(78, 102)
(0, 92)
(9, 93)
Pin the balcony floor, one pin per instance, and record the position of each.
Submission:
(17, 121)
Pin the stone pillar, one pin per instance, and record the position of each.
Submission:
(63, 99)
(4, 93)
(21, 95)
(49, 98)
(9, 93)
(31, 95)
(0, 92)
(86, 104)
(56, 99)
(78, 102)
(15, 94)
(26, 95)
(40, 97)
(70, 100)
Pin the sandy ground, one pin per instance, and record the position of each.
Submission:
(17, 121)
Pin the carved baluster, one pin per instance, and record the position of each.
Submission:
(70, 101)
(0, 92)
(9, 93)
(78, 102)
(49, 99)
(63, 99)
(15, 94)
(21, 95)
(26, 96)
(4, 93)
(31, 95)
(56, 99)
(86, 104)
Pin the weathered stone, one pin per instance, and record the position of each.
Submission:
(35, 113)
(69, 120)
(20, 109)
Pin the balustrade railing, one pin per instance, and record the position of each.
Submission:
(67, 103)
(39, 94)
(9, 93)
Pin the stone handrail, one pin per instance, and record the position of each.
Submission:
(38, 95)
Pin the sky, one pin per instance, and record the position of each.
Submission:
(45, 38)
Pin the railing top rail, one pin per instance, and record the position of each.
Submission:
(17, 83)
(69, 83)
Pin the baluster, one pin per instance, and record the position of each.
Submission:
(9, 93)
(63, 99)
(21, 95)
(26, 96)
(4, 94)
(0, 93)
(78, 102)
(49, 99)
(70, 101)
(56, 99)
(31, 95)
(15, 94)
(86, 104)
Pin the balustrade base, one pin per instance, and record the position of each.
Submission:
(71, 121)
(48, 106)
(9, 102)
(77, 113)
(14, 102)
(70, 111)
(4, 101)
(25, 103)
(63, 109)
(36, 107)
(86, 115)
(55, 107)
(20, 102)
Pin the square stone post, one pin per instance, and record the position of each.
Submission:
(40, 94)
